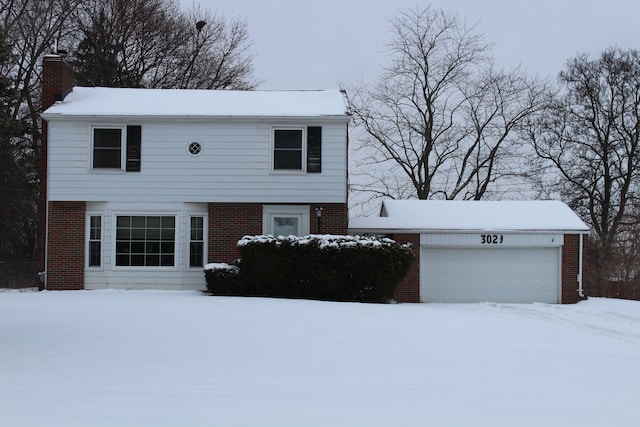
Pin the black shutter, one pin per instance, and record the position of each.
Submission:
(134, 145)
(314, 149)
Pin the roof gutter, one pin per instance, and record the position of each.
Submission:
(192, 117)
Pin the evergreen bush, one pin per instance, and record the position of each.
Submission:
(324, 267)
(223, 279)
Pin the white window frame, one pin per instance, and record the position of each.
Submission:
(177, 239)
(123, 147)
(303, 168)
(88, 241)
(270, 212)
(205, 240)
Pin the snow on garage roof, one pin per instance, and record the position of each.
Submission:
(459, 216)
(186, 103)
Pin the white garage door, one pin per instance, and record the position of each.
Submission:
(516, 275)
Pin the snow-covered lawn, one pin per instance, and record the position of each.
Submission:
(152, 358)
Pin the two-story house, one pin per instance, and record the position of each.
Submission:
(142, 187)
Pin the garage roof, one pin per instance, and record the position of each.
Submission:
(458, 216)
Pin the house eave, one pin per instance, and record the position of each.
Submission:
(383, 230)
(191, 118)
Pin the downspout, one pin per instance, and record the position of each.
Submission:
(580, 288)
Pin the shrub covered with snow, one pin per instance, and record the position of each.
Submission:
(325, 267)
(223, 279)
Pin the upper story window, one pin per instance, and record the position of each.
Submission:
(116, 147)
(288, 149)
(297, 149)
(107, 147)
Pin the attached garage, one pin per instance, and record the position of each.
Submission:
(473, 251)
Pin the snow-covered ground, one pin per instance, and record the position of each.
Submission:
(153, 358)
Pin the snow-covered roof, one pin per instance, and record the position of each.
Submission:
(194, 103)
(459, 216)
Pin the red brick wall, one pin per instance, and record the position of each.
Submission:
(409, 289)
(66, 246)
(57, 80)
(228, 223)
(334, 219)
(570, 268)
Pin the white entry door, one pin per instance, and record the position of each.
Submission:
(514, 275)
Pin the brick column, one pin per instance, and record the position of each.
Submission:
(570, 268)
(66, 246)
(409, 288)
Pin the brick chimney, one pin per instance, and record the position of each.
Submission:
(57, 83)
(57, 79)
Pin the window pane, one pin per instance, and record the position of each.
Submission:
(166, 247)
(107, 138)
(153, 233)
(153, 260)
(138, 221)
(138, 233)
(122, 260)
(285, 226)
(106, 159)
(153, 221)
(288, 138)
(94, 254)
(287, 160)
(153, 247)
(196, 250)
(123, 247)
(196, 228)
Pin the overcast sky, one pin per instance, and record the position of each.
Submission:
(316, 44)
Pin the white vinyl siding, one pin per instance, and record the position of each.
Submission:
(233, 166)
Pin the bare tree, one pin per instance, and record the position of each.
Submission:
(589, 136)
(151, 43)
(29, 29)
(439, 121)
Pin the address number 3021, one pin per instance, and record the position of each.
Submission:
(491, 239)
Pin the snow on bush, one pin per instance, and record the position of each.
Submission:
(323, 240)
(326, 267)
